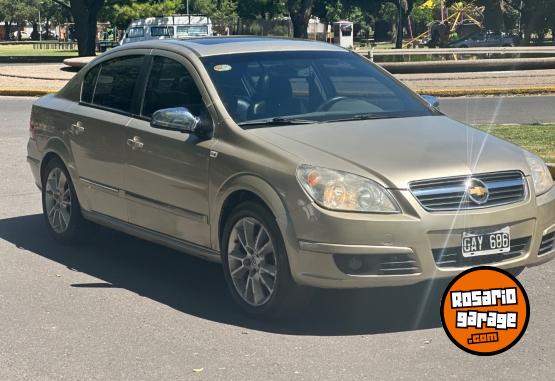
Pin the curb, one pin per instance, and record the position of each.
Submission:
(435, 92)
(32, 77)
(487, 91)
(25, 92)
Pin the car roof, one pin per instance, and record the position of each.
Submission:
(211, 46)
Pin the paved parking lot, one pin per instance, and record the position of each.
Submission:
(120, 308)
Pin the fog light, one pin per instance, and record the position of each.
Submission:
(355, 263)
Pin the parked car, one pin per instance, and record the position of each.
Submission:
(481, 39)
(160, 28)
(49, 35)
(293, 163)
(24, 35)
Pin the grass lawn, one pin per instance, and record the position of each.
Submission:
(539, 139)
(27, 50)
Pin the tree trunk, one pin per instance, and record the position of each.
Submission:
(300, 27)
(8, 33)
(400, 24)
(84, 14)
(299, 11)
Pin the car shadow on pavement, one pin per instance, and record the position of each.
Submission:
(196, 287)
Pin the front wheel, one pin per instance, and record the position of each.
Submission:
(60, 205)
(255, 263)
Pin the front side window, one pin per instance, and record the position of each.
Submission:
(170, 85)
(115, 83)
(319, 86)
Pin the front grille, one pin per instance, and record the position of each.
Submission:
(373, 264)
(452, 256)
(450, 193)
(547, 244)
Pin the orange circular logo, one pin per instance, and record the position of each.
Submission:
(485, 311)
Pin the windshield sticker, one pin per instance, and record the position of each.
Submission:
(222, 68)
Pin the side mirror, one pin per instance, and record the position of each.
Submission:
(175, 119)
(432, 101)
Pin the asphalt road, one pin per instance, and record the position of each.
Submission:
(121, 308)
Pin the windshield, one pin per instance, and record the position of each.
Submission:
(315, 86)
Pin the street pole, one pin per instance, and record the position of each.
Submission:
(187, 6)
(40, 28)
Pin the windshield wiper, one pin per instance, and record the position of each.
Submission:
(277, 121)
(365, 116)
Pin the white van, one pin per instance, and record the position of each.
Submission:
(158, 28)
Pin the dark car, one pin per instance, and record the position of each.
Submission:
(481, 39)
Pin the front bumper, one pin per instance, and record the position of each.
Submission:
(321, 236)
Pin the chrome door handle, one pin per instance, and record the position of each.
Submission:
(135, 143)
(77, 128)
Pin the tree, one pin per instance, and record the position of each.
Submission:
(253, 9)
(299, 11)
(18, 12)
(122, 14)
(84, 14)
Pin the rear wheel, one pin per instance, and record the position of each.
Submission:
(60, 205)
(255, 263)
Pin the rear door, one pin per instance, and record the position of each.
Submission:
(167, 171)
(98, 131)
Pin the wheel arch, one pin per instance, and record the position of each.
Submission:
(243, 188)
(56, 148)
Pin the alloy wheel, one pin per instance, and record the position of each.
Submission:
(252, 261)
(58, 200)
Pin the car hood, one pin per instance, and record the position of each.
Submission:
(399, 150)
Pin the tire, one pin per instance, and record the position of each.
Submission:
(61, 209)
(516, 271)
(243, 264)
(463, 46)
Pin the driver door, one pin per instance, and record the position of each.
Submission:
(167, 171)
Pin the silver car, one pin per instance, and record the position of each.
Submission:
(293, 163)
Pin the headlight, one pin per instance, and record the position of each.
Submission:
(540, 173)
(344, 191)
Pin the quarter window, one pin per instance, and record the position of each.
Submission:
(116, 83)
(89, 84)
(171, 85)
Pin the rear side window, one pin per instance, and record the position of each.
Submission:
(170, 85)
(161, 31)
(115, 83)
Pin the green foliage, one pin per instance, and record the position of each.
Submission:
(124, 13)
(19, 11)
(256, 9)
(421, 18)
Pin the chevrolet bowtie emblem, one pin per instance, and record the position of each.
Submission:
(477, 191)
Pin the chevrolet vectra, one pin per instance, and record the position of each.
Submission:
(293, 163)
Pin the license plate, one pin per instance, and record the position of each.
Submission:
(479, 243)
